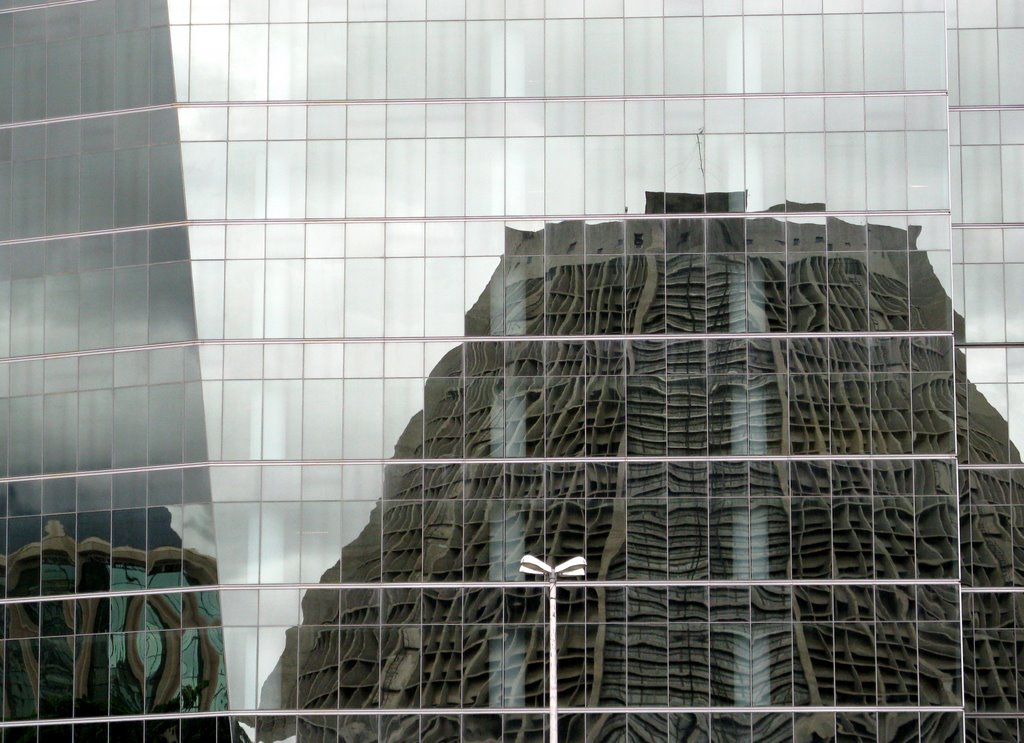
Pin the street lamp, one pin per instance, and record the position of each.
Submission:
(574, 568)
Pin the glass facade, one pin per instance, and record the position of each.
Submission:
(316, 316)
(986, 129)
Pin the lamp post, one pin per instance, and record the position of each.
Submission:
(573, 568)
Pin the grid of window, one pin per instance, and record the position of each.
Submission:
(372, 298)
(484, 399)
(985, 42)
(718, 727)
(852, 153)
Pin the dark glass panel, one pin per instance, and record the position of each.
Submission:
(897, 659)
(442, 540)
(605, 416)
(360, 728)
(318, 667)
(687, 416)
(728, 413)
(770, 603)
(610, 654)
(806, 273)
(443, 417)
(730, 664)
(766, 293)
(21, 734)
(935, 518)
(769, 538)
(729, 520)
(889, 301)
(403, 532)
(358, 668)
(853, 603)
(565, 414)
(687, 293)
(646, 538)
(726, 293)
(128, 539)
(852, 536)
(485, 424)
(896, 726)
(97, 201)
(561, 358)
(91, 733)
(163, 681)
(29, 81)
(939, 603)
(939, 661)
(647, 665)
(133, 72)
(772, 728)
(524, 728)
(945, 727)
(688, 604)
(990, 729)
(164, 566)
(855, 667)
(481, 670)
(23, 556)
(98, 66)
(20, 679)
(94, 551)
(524, 605)
(439, 728)
(688, 664)
(814, 728)
(56, 618)
(161, 730)
(171, 303)
(814, 677)
(524, 422)
(524, 294)
(933, 423)
(766, 395)
(847, 292)
(930, 305)
(648, 728)
(131, 305)
(730, 604)
(894, 537)
(731, 728)
(689, 727)
(57, 568)
(56, 664)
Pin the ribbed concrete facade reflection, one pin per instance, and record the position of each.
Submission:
(687, 645)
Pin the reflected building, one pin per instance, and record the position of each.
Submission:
(695, 539)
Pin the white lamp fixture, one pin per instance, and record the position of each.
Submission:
(575, 567)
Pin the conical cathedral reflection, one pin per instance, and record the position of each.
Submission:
(695, 499)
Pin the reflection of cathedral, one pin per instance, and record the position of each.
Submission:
(672, 502)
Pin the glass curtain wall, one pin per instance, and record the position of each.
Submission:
(109, 560)
(986, 44)
(318, 315)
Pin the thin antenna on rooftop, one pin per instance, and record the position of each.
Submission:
(700, 153)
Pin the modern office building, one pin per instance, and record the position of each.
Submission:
(986, 44)
(318, 315)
